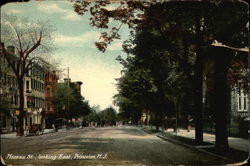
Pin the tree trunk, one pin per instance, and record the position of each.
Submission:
(197, 82)
(198, 101)
(176, 117)
(221, 98)
(157, 120)
(20, 130)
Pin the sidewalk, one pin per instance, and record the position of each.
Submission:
(45, 131)
(236, 143)
(13, 134)
(9, 135)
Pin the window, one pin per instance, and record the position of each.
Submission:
(16, 99)
(48, 92)
(12, 99)
(242, 101)
(5, 79)
(30, 121)
(32, 86)
(245, 103)
(239, 103)
(13, 82)
(26, 121)
(27, 85)
(8, 81)
(28, 104)
(36, 102)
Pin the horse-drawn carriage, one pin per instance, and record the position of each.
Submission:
(35, 129)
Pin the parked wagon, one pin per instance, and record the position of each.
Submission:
(35, 129)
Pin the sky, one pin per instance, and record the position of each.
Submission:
(74, 41)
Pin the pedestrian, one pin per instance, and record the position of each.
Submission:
(53, 127)
(190, 119)
(165, 123)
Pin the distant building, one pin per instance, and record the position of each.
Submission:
(77, 84)
(51, 79)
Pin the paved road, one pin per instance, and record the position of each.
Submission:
(100, 146)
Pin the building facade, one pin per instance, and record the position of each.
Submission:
(76, 84)
(51, 79)
(9, 96)
(34, 94)
(34, 91)
(240, 113)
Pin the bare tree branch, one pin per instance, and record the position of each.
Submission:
(34, 46)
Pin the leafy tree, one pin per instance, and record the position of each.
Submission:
(93, 116)
(79, 106)
(109, 115)
(176, 86)
(69, 102)
(136, 88)
(153, 77)
(62, 97)
(196, 24)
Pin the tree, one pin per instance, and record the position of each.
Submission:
(79, 106)
(176, 87)
(93, 116)
(108, 115)
(62, 96)
(153, 77)
(134, 89)
(69, 102)
(31, 40)
(198, 24)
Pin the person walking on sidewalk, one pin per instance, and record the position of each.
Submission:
(165, 123)
(190, 119)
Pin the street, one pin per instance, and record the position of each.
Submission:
(100, 146)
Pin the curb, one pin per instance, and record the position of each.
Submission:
(193, 147)
(189, 146)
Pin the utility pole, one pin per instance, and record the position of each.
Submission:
(68, 97)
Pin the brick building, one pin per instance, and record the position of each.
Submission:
(51, 79)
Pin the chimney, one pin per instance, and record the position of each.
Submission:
(78, 86)
(11, 49)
